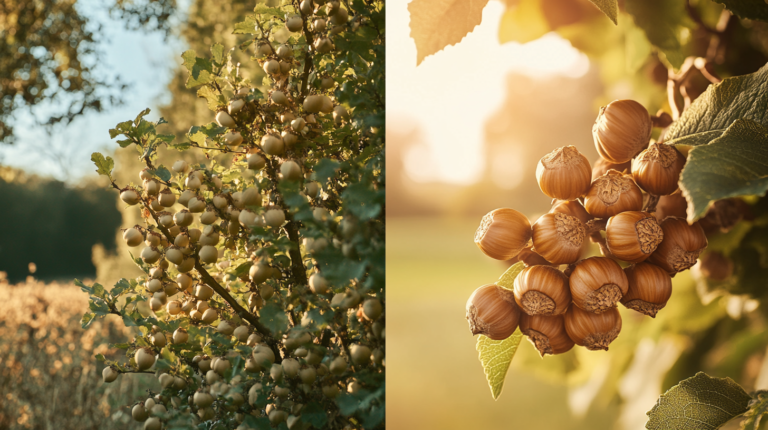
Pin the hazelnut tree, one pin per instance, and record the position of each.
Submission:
(262, 303)
(680, 189)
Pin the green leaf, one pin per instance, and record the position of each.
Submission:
(496, 356)
(697, 403)
(315, 415)
(739, 97)
(662, 22)
(325, 169)
(104, 166)
(609, 7)
(263, 9)
(218, 52)
(100, 357)
(261, 423)
(523, 23)
(274, 318)
(757, 408)
(162, 173)
(735, 164)
(247, 26)
(215, 100)
(87, 319)
(747, 9)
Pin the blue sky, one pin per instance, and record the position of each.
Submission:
(144, 60)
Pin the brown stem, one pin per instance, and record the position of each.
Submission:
(596, 225)
(598, 238)
(308, 64)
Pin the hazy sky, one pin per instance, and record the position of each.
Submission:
(144, 60)
(463, 84)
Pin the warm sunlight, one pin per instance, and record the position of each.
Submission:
(460, 85)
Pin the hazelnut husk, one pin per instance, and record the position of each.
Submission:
(657, 169)
(592, 331)
(491, 311)
(572, 208)
(633, 236)
(611, 194)
(558, 237)
(622, 129)
(564, 174)
(546, 333)
(542, 290)
(503, 233)
(601, 166)
(597, 284)
(680, 247)
(649, 288)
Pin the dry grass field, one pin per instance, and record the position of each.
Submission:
(49, 378)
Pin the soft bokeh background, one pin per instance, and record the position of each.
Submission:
(465, 131)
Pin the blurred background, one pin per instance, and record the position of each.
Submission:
(465, 131)
(69, 71)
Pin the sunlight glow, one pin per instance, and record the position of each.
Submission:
(451, 94)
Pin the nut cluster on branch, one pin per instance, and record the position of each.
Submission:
(558, 307)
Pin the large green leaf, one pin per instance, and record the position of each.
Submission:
(747, 9)
(609, 7)
(662, 21)
(496, 355)
(740, 97)
(700, 402)
(734, 164)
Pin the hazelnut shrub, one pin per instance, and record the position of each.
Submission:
(225, 316)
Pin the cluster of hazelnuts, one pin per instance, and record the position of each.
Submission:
(557, 308)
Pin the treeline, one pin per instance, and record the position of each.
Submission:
(53, 225)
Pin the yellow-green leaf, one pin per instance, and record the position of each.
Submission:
(496, 356)
(436, 24)
(609, 7)
(523, 23)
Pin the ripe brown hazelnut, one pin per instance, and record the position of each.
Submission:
(632, 236)
(622, 130)
(592, 331)
(657, 169)
(680, 247)
(649, 288)
(558, 237)
(542, 290)
(612, 194)
(546, 333)
(564, 174)
(716, 266)
(601, 166)
(671, 205)
(491, 311)
(503, 233)
(572, 208)
(597, 284)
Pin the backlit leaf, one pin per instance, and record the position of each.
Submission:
(436, 24)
